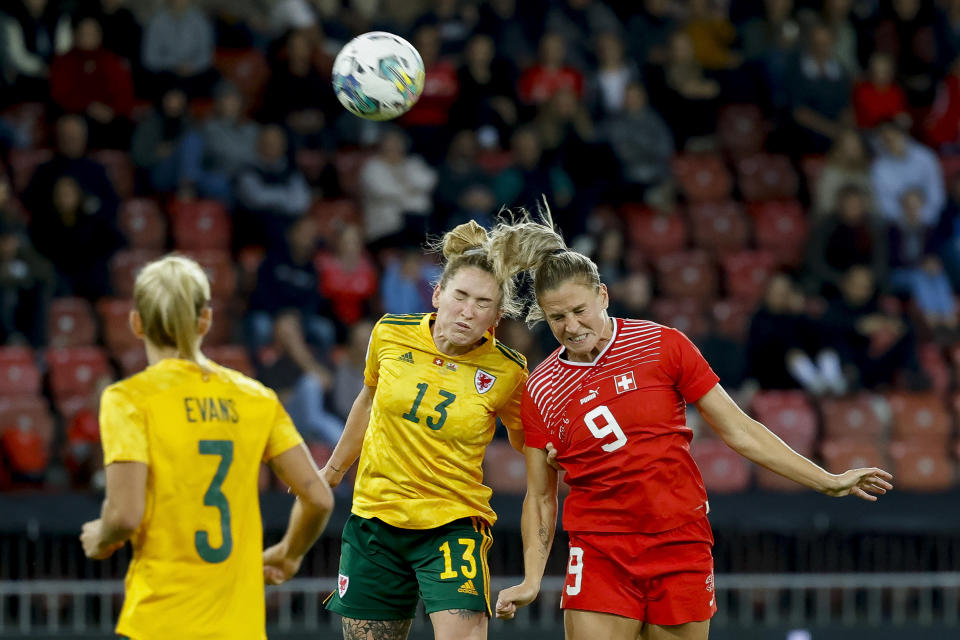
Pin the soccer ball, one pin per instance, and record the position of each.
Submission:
(378, 76)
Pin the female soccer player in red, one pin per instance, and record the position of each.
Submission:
(609, 404)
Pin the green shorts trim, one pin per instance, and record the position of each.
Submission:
(384, 570)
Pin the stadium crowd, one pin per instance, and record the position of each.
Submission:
(777, 179)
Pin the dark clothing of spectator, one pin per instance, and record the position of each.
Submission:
(122, 35)
(27, 283)
(270, 197)
(822, 87)
(178, 50)
(288, 94)
(89, 174)
(159, 148)
(835, 246)
(284, 283)
(910, 244)
(648, 33)
(29, 43)
(911, 41)
(474, 108)
(771, 337)
(688, 117)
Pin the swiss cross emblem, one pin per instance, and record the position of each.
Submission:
(483, 380)
(625, 382)
(438, 362)
(342, 584)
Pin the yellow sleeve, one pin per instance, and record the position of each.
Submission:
(371, 371)
(509, 413)
(283, 434)
(123, 429)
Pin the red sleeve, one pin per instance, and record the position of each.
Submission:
(691, 372)
(534, 432)
(121, 85)
(61, 84)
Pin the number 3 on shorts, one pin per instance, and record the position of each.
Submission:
(575, 568)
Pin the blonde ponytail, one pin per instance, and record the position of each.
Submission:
(169, 294)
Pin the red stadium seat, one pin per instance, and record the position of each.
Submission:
(950, 165)
(16, 355)
(919, 417)
(18, 377)
(220, 270)
(789, 415)
(26, 452)
(124, 267)
(934, 364)
(231, 356)
(852, 418)
(348, 163)
(23, 162)
(143, 224)
(200, 224)
(746, 274)
(119, 170)
(922, 466)
(245, 68)
(731, 318)
(132, 361)
(687, 274)
(115, 320)
(332, 215)
(723, 469)
(504, 469)
(767, 177)
(685, 314)
(781, 228)
(742, 129)
(852, 453)
(27, 412)
(77, 370)
(719, 227)
(656, 234)
(702, 177)
(70, 323)
(71, 405)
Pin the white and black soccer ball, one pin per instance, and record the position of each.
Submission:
(378, 76)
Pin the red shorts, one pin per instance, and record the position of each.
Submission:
(663, 578)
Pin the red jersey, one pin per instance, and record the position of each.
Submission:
(619, 426)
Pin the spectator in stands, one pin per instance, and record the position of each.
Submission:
(942, 125)
(407, 283)
(512, 26)
(916, 267)
(566, 133)
(348, 278)
(287, 282)
(455, 22)
(686, 96)
(607, 86)
(525, 182)
(947, 29)
(850, 235)
(847, 163)
(427, 120)
(95, 82)
(878, 98)
(297, 95)
(633, 297)
(538, 83)
(579, 22)
(947, 234)
(27, 282)
(122, 33)
(712, 35)
(902, 164)
(767, 45)
(162, 144)
(76, 219)
(178, 48)
(33, 32)
(818, 94)
(784, 346)
(905, 29)
(610, 256)
(649, 32)
(875, 344)
(485, 101)
(82, 454)
(348, 372)
(271, 192)
(835, 14)
(458, 173)
(397, 191)
(476, 203)
(642, 144)
(70, 160)
(228, 139)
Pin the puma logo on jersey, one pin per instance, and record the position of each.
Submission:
(407, 357)
(590, 396)
(468, 588)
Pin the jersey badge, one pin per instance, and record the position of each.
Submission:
(342, 583)
(407, 357)
(590, 396)
(483, 381)
(438, 362)
(452, 366)
(625, 382)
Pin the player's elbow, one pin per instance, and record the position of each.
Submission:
(318, 497)
(122, 522)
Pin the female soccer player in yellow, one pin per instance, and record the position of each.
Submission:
(183, 442)
(434, 385)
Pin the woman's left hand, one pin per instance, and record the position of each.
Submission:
(862, 483)
(91, 537)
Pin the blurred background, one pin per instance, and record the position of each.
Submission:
(780, 179)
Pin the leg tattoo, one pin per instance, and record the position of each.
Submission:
(376, 629)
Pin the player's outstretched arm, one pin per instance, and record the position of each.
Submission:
(351, 440)
(538, 522)
(121, 513)
(755, 442)
(308, 517)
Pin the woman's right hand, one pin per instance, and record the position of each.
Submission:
(513, 597)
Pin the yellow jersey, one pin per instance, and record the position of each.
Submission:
(197, 567)
(433, 416)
